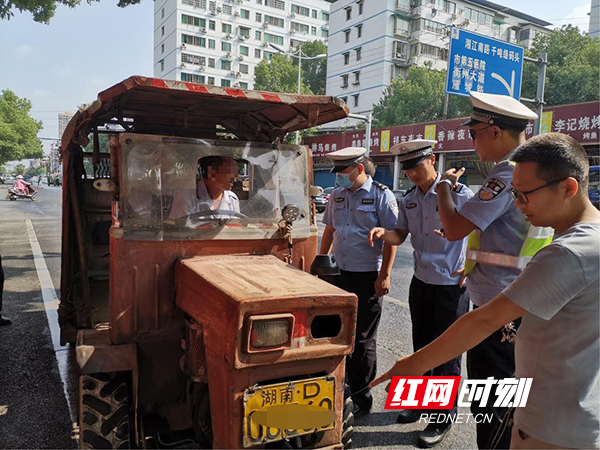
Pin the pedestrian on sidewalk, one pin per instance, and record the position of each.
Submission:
(435, 298)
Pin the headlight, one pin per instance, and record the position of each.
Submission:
(270, 332)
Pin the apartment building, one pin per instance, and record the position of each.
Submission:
(372, 42)
(221, 42)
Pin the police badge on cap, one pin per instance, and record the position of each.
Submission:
(411, 153)
(349, 156)
(500, 110)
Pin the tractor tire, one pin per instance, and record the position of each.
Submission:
(104, 411)
(347, 419)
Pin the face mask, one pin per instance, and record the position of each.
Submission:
(343, 180)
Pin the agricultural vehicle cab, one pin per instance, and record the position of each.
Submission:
(189, 319)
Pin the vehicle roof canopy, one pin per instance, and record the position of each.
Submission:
(155, 106)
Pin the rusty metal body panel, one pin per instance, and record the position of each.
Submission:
(221, 292)
(95, 354)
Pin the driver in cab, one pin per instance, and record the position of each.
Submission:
(213, 191)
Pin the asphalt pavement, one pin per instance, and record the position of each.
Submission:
(38, 379)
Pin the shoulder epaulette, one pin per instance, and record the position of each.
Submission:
(410, 190)
(380, 185)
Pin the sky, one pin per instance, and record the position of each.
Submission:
(87, 49)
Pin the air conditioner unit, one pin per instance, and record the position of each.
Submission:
(236, 14)
(228, 56)
(232, 73)
(265, 44)
(454, 16)
(265, 25)
(219, 9)
(182, 65)
(292, 31)
(202, 30)
(228, 36)
(242, 38)
(236, 84)
(241, 58)
(202, 68)
(293, 15)
(182, 46)
(238, 74)
(466, 22)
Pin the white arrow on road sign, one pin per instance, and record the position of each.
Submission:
(510, 88)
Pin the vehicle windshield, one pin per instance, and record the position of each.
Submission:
(179, 188)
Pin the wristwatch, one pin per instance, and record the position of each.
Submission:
(444, 181)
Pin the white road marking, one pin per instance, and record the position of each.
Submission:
(50, 305)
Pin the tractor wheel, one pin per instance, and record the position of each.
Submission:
(104, 411)
(347, 420)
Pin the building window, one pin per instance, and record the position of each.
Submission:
(245, 31)
(211, 81)
(347, 33)
(193, 40)
(324, 33)
(162, 65)
(346, 58)
(225, 83)
(244, 85)
(193, 59)
(325, 16)
(258, 17)
(402, 26)
(244, 68)
(344, 81)
(478, 16)
(226, 46)
(275, 21)
(344, 99)
(275, 4)
(356, 78)
(211, 62)
(162, 31)
(192, 78)
(258, 35)
(191, 20)
(360, 7)
(211, 44)
(273, 38)
(225, 65)
(301, 10)
(245, 14)
(348, 12)
(359, 31)
(313, 31)
(359, 54)
(314, 13)
(300, 27)
(162, 13)
(257, 53)
(227, 10)
(162, 48)
(226, 28)
(268, 55)
(434, 27)
(355, 98)
(244, 51)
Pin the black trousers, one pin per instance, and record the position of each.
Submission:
(433, 308)
(361, 365)
(492, 358)
(1, 283)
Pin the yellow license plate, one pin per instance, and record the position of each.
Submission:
(315, 391)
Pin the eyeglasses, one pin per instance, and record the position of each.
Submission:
(473, 132)
(522, 195)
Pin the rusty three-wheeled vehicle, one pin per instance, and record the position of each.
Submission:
(189, 316)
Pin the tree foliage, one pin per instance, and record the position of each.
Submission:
(573, 73)
(418, 98)
(43, 10)
(20, 169)
(18, 130)
(314, 71)
(278, 75)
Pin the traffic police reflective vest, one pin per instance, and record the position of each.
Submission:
(537, 238)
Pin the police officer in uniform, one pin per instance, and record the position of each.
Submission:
(358, 204)
(435, 298)
(497, 127)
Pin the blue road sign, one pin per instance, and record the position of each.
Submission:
(479, 63)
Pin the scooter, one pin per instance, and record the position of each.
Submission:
(14, 194)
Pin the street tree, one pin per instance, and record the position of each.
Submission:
(20, 169)
(418, 98)
(18, 130)
(278, 75)
(314, 71)
(573, 73)
(43, 10)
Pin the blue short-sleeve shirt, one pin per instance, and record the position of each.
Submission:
(435, 258)
(353, 215)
